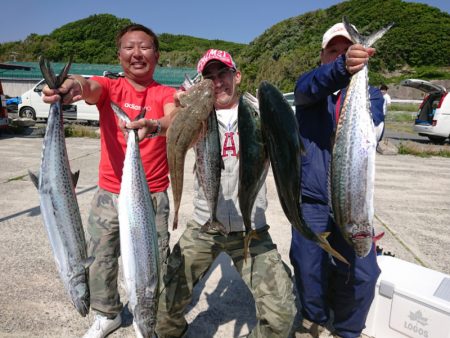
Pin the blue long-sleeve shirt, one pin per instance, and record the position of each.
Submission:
(316, 115)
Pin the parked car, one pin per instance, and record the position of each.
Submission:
(12, 105)
(433, 117)
(33, 107)
(4, 108)
(290, 98)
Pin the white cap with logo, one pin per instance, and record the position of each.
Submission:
(335, 30)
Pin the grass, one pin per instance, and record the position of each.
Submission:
(409, 107)
(76, 130)
(423, 150)
(400, 121)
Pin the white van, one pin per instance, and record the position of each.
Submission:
(33, 107)
(433, 117)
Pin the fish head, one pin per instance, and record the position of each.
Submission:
(199, 100)
(80, 298)
(361, 238)
(144, 319)
(202, 91)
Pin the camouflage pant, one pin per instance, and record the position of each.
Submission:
(264, 273)
(104, 245)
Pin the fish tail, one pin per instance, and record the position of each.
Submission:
(51, 79)
(324, 244)
(366, 41)
(120, 113)
(75, 177)
(141, 114)
(247, 241)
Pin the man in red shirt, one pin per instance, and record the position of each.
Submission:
(138, 53)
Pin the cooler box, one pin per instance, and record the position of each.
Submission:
(410, 301)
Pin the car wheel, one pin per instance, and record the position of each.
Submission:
(92, 123)
(436, 139)
(27, 112)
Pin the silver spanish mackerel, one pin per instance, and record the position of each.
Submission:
(58, 201)
(138, 237)
(353, 159)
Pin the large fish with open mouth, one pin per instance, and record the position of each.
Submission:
(59, 207)
(352, 176)
(138, 236)
(184, 131)
(280, 130)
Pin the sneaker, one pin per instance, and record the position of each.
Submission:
(103, 326)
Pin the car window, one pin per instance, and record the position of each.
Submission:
(290, 98)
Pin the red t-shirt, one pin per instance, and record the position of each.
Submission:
(113, 145)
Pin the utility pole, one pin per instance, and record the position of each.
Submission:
(14, 56)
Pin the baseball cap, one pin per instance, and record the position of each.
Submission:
(335, 30)
(215, 54)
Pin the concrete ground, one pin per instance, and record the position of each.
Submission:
(412, 207)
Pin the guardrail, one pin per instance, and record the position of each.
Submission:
(405, 101)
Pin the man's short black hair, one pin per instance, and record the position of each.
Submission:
(137, 27)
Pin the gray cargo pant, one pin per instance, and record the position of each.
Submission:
(264, 273)
(104, 245)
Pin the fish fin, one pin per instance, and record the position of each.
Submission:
(119, 112)
(248, 240)
(366, 41)
(34, 177)
(75, 177)
(324, 244)
(88, 262)
(376, 238)
(325, 234)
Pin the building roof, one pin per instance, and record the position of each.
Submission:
(169, 76)
(13, 66)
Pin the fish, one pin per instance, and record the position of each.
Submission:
(138, 236)
(208, 168)
(58, 202)
(253, 162)
(352, 173)
(184, 131)
(280, 130)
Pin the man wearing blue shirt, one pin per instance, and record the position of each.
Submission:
(323, 283)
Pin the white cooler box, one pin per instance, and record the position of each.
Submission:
(410, 301)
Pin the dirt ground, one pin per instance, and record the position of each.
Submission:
(412, 207)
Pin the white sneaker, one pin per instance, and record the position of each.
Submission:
(103, 326)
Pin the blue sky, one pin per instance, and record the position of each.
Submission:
(231, 20)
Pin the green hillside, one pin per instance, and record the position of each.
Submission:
(92, 40)
(417, 46)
